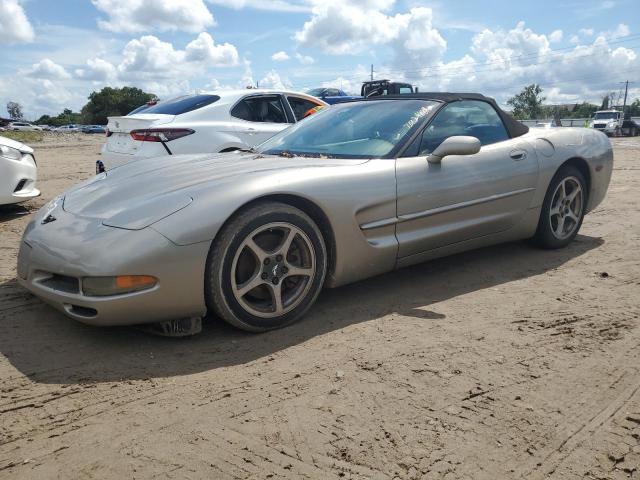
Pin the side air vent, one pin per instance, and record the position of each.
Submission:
(20, 185)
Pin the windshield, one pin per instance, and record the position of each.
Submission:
(352, 130)
(606, 116)
(315, 92)
(180, 105)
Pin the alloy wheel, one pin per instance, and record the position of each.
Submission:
(567, 206)
(273, 270)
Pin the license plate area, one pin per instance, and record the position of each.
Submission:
(122, 143)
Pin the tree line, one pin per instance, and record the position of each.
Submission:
(108, 102)
(528, 105)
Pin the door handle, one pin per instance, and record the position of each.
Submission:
(518, 154)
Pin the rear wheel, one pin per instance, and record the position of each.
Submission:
(266, 267)
(563, 209)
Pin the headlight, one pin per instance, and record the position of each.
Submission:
(10, 153)
(106, 286)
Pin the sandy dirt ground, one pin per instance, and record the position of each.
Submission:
(507, 362)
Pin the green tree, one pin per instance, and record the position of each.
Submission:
(634, 108)
(584, 110)
(14, 110)
(528, 103)
(113, 102)
(66, 117)
(43, 120)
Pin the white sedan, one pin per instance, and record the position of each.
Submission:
(67, 129)
(24, 126)
(18, 172)
(213, 122)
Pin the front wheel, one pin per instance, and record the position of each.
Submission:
(266, 267)
(563, 209)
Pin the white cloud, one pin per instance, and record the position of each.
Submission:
(48, 69)
(157, 66)
(340, 28)
(14, 24)
(150, 58)
(621, 30)
(247, 77)
(304, 59)
(280, 56)
(133, 16)
(38, 95)
(555, 36)
(503, 62)
(271, 5)
(349, 85)
(203, 49)
(586, 32)
(273, 80)
(97, 69)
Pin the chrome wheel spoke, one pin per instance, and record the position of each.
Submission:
(575, 193)
(560, 227)
(259, 253)
(563, 190)
(276, 297)
(572, 216)
(246, 287)
(298, 271)
(286, 243)
(554, 211)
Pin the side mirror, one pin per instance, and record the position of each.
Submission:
(457, 145)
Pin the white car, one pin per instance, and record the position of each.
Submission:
(212, 122)
(18, 172)
(24, 126)
(67, 129)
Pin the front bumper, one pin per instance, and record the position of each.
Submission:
(18, 180)
(609, 130)
(56, 256)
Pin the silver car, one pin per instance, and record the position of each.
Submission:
(357, 190)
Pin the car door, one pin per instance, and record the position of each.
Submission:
(261, 117)
(464, 196)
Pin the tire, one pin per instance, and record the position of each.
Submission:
(266, 251)
(561, 217)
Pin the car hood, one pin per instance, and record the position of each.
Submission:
(143, 192)
(17, 145)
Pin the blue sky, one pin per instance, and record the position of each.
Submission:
(54, 53)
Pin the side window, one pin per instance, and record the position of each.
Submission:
(406, 90)
(413, 150)
(332, 92)
(260, 109)
(300, 106)
(469, 117)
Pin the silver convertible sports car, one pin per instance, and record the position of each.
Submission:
(356, 190)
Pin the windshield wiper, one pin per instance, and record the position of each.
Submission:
(286, 154)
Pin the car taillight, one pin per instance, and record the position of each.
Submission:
(160, 134)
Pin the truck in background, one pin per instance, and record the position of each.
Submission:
(612, 123)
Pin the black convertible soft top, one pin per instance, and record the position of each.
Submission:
(514, 127)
